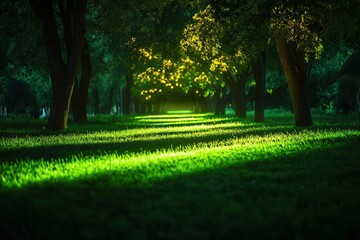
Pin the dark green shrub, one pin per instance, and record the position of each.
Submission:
(20, 99)
(348, 94)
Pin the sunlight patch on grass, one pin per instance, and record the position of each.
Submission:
(165, 120)
(180, 112)
(145, 167)
(182, 122)
(142, 179)
(130, 135)
(164, 116)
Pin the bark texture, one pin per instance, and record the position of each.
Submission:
(237, 86)
(296, 71)
(63, 71)
(81, 89)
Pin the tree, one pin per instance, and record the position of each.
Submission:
(81, 89)
(296, 28)
(297, 40)
(204, 38)
(245, 29)
(299, 31)
(294, 67)
(141, 24)
(63, 69)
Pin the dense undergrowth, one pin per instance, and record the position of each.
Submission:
(181, 177)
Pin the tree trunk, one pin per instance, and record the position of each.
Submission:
(127, 95)
(60, 105)
(259, 73)
(295, 70)
(80, 93)
(62, 74)
(239, 101)
(237, 87)
(220, 104)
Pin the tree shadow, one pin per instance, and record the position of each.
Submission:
(145, 142)
(33, 128)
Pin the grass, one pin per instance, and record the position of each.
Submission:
(181, 177)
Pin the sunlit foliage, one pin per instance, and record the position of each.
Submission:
(203, 38)
(164, 76)
(300, 26)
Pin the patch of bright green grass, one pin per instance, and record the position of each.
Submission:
(211, 177)
(180, 112)
(186, 159)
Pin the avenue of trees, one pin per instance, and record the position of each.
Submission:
(61, 58)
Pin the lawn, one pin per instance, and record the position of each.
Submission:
(188, 176)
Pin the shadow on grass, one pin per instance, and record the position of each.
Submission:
(312, 194)
(31, 128)
(149, 142)
(158, 141)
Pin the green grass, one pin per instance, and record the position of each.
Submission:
(181, 177)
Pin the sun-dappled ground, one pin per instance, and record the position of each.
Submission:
(181, 177)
